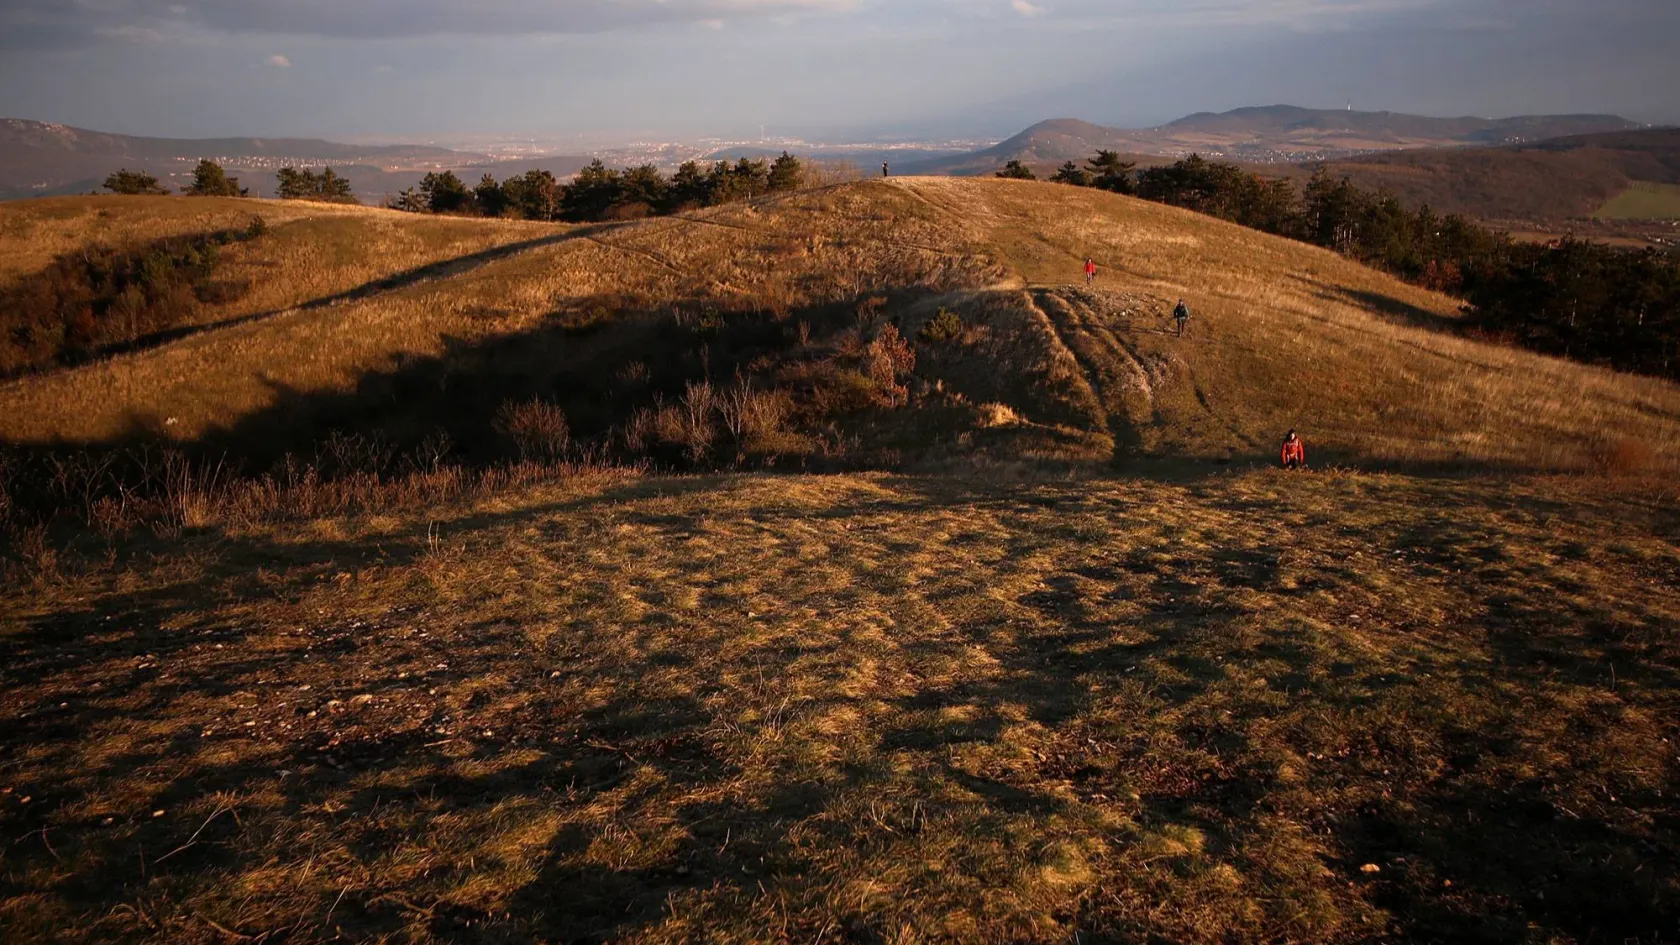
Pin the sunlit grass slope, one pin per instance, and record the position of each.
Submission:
(1284, 335)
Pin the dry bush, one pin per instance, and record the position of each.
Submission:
(754, 416)
(1620, 456)
(27, 552)
(944, 326)
(843, 390)
(870, 309)
(999, 415)
(890, 357)
(537, 428)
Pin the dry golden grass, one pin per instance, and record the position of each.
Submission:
(1287, 335)
(783, 254)
(1284, 335)
(997, 706)
(1247, 708)
(362, 242)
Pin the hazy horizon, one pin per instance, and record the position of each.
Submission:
(427, 69)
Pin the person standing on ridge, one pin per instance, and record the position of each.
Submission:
(1181, 314)
(884, 171)
(1294, 452)
(1090, 270)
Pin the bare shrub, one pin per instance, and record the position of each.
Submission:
(887, 359)
(432, 451)
(696, 431)
(641, 430)
(29, 549)
(343, 454)
(752, 416)
(192, 493)
(538, 428)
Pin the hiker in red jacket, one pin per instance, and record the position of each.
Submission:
(1090, 270)
(1294, 452)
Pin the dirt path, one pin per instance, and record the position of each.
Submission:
(1114, 371)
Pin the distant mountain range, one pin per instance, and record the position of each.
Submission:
(1276, 134)
(44, 159)
(41, 159)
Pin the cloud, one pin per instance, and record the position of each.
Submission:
(279, 62)
(1025, 9)
(375, 19)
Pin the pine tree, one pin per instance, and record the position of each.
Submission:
(689, 188)
(209, 180)
(335, 189)
(134, 183)
(535, 195)
(786, 173)
(492, 200)
(409, 200)
(1015, 170)
(1110, 173)
(642, 190)
(1071, 173)
(294, 184)
(445, 193)
(590, 194)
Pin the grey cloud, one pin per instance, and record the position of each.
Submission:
(35, 23)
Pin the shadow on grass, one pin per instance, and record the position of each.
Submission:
(1127, 656)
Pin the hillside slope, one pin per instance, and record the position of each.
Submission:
(608, 319)
(1265, 135)
(40, 159)
(1548, 181)
(981, 700)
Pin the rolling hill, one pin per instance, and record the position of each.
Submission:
(1090, 372)
(798, 633)
(1291, 128)
(41, 159)
(1267, 135)
(1548, 181)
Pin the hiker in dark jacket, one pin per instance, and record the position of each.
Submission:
(1181, 314)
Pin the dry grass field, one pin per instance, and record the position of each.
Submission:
(1240, 707)
(1022, 642)
(1284, 335)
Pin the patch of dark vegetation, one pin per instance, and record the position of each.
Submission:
(101, 299)
(610, 381)
(599, 193)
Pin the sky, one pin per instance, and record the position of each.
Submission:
(663, 69)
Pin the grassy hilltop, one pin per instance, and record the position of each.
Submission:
(371, 320)
(1022, 641)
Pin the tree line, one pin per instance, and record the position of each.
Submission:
(1577, 299)
(598, 193)
(211, 180)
